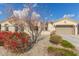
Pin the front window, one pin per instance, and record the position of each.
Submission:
(6, 27)
(16, 28)
(0, 26)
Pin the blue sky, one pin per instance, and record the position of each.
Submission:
(48, 11)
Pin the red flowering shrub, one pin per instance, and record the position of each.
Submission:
(1, 36)
(14, 44)
(15, 41)
(24, 40)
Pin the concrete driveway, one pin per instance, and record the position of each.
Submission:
(74, 39)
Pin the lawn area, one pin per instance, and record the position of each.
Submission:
(67, 44)
(66, 49)
(58, 40)
(60, 51)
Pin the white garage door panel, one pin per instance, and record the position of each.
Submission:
(65, 30)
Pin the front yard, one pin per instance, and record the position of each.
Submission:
(66, 48)
(39, 49)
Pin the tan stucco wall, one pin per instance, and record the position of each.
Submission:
(63, 22)
(11, 27)
(51, 27)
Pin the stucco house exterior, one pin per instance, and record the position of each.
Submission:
(10, 25)
(50, 27)
(61, 26)
(65, 26)
(4, 25)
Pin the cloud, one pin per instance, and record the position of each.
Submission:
(46, 18)
(25, 5)
(0, 12)
(35, 15)
(69, 15)
(34, 5)
(24, 13)
(51, 14)
(21, 13)
(31, 5)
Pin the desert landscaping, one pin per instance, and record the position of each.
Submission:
(45, 48)
(25, 32)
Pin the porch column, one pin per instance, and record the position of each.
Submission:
(76, 29)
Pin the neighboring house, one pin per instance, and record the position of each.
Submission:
(6, 26)
(66, 26)
(11, 25)
(50, 27)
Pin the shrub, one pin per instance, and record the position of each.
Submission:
(67, 44)
(50, 49)
(15, 41)
(56, 39)
(23, 34)
(60, 52)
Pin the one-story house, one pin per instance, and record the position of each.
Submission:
(66, 26)
(10, 24)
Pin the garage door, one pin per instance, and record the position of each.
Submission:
(63, 29)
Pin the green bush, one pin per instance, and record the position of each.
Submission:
(50, 49)
(69, 53)
(56, 39)
(67, 44)
(54, 51)
(60, 52)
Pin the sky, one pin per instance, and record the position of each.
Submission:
(46, 11)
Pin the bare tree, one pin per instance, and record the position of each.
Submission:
(35, 25)
(14, 19)
(35, 29)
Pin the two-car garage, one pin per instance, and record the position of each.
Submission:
(66, 26)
